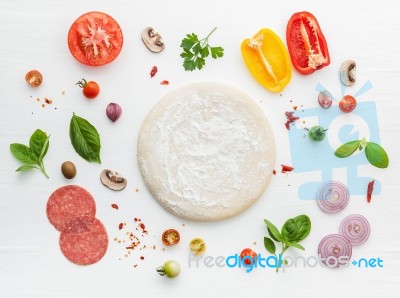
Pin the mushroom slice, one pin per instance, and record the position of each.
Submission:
(113, 180)
(348, 73)
(152, 40)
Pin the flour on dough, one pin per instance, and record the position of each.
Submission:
(206, 152)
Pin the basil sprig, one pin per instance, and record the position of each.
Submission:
(32, 156)
(85, 139)
(293, 231)
(374, 153)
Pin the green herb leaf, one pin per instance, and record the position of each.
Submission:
(296, 245)
(269, 245)
(376, 155)
(25, 168)
(296, 229)
(347, 149)
(38, 143)
(274, 231)
(195, 51)
(44, 149)
(24, 154)
(85, 139)
(272, 235)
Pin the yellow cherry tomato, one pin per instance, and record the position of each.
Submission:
(267, 59)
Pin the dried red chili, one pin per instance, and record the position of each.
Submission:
(370, 190)
(290, 119)
(165, 82)
(153, 71)
(120, 226)
(274, 172)
(115, 206)
(286, 168)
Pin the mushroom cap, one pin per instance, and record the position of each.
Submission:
(113, 180)
(152, 40)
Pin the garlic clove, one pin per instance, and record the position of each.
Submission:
(113, 111)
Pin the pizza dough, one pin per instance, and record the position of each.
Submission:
(206, 152)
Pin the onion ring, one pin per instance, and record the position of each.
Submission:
(332, 196)
(334, 250)
(355, 228)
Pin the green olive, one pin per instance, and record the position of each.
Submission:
(68, 169)
(169, 269)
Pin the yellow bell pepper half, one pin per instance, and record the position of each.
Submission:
(267, 59)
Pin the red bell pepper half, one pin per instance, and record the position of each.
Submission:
(306, 43)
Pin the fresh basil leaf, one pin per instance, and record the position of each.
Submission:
(376, 155)
(272, 235)
(44, 149)
(25, 168)
(37, 143)
(24, 154)
(296, 245)
(85, 139)
(269, 245)
(274, 231)
(296, 229)
(347, 149)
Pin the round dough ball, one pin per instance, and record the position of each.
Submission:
(206, 152)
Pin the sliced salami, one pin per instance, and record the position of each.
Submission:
(67, 203)
(84, 240)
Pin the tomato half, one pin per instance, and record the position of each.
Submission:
(307, 45)
(247, 252)
(170, 237)
(347, 104)
(95, 39)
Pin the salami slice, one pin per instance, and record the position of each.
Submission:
(84, 240)
(67, 203)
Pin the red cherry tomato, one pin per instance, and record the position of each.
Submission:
(170, 237)
(95, 39)
(34, 78)
(247, 252)
(306, 43)
(90, 89)
(347, 104)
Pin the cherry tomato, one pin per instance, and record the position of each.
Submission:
(197, 246)
(34, 78)
(170, 237)
(90, 89)
(169, 269)
(317, 133)
(95, 39)
(247, 252)
(347, 104)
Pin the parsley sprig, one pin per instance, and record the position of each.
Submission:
(195, 51)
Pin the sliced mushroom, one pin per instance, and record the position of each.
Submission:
(113, 180)
(152, 40)
(348, 72)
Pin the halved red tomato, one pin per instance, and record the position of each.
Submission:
(95, 39)
(306, 43)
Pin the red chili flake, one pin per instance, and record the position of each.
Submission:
(274, 172)
(370, 190)
(48, 101)
(142, 226)
(295, 108)
(153, 71)
(134, 266)
(120, 226)
(142, 257)
(115, 206)
(165, 82)
(286, 168)
(290, 119)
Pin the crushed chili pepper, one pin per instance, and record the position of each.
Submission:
(115, 206)
(290, 119)
(165, 82)
(120, 226)
(295, 108)
(274, 172)
(153, 71)
(142, 257)
(370, 190)
(286, 168)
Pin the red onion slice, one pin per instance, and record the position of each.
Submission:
(332, 196)
(334, 251)
(355, 228)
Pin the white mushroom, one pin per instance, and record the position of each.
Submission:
(152, 40)
(348, 73)
(113, 180)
